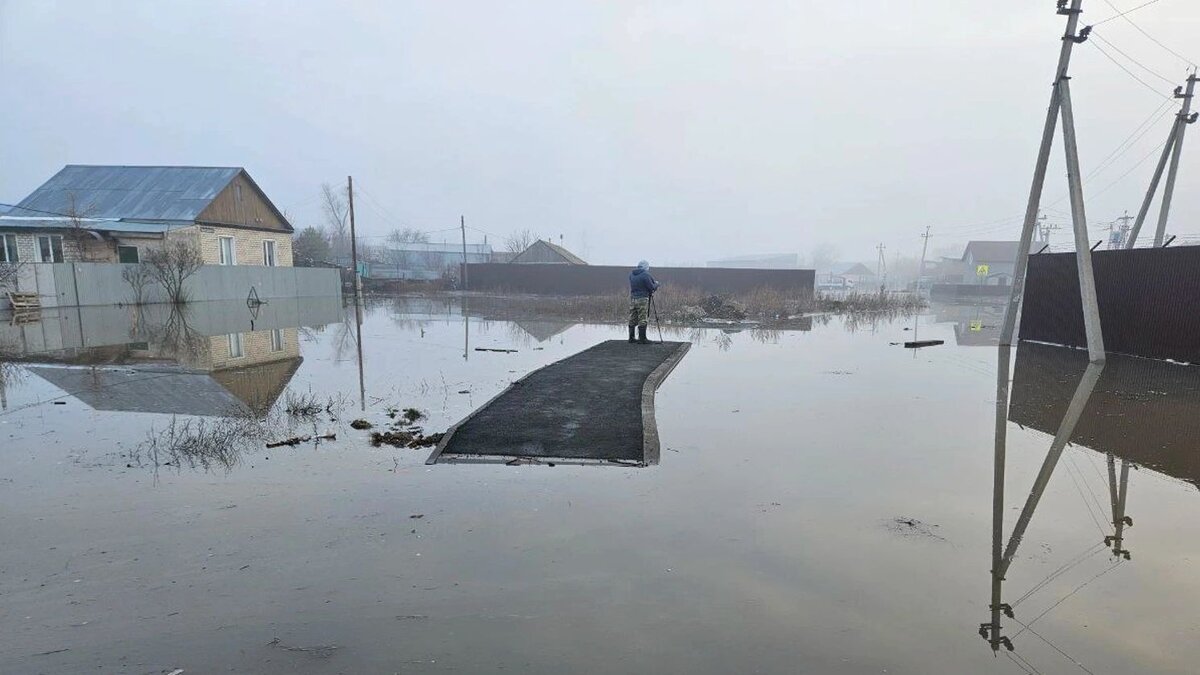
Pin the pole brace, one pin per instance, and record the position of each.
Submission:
(1189, 119)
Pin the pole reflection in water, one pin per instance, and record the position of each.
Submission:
(362, 385)
(466, 329)
(1002, 559)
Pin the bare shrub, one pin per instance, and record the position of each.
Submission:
(172, 265)
(138, 277)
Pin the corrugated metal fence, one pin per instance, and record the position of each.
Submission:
(602, 279)
(1149, 301)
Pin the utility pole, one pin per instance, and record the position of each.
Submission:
(1119, 240)
(1170, 152)
(462, 221)
(921, 269)
(1169, 189)
(353, 240)
(1060, 103)
(1039, 172)
(1083, 243)
(358, 318)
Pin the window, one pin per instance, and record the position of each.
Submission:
(277, 340)
(8, 249)
(235, 346)
(49, 248)
(269, 252)
(128, 254)
(226, 250)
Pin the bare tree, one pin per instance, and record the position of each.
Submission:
(333, 204)
(76, 217)
(407, 236)
(519, 241)
(172, 265)
(138, 277)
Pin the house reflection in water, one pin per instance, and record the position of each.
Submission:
(1135, 412)
(194, 360)
(975, 324)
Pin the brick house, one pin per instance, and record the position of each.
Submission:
(115, 213)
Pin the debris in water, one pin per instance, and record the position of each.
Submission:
(319, 651)
(917, 344)
(361, 424)
(490, 349)
(412, 415)
(906, 526)
(417, 515)
(400, 438)
(291, 442)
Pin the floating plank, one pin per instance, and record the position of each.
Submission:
(917, 344)
(594, 407)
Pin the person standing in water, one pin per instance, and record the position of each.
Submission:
(641, 287)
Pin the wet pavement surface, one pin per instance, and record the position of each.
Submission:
(823, 503)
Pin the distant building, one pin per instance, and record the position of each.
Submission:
(425, 262)
(542, 252)
(769, 261)
(989, 263)
(845, 275)
(116, 213)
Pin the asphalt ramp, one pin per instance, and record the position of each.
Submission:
(594, 407)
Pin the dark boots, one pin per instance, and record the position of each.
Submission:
(631, 340)
(642, 336)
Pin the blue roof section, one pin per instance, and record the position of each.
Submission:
(129, 192)
(45, 223)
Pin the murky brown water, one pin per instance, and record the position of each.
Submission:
(824, 504)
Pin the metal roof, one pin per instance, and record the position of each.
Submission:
(991, 251)
(105, 224)
(132, 192)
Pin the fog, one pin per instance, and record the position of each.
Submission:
(678, 132)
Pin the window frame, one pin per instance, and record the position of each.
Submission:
(137, 253)
(9, 254)
(221, 239)
(236, 339)
(276, 340)
(51, 238)
(271, 260)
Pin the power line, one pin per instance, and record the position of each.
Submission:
(1128, 71)
(1125, 145)
(1128, 11)
(1148, 36)
(1139, 64)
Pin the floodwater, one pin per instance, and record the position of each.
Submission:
(823, 504)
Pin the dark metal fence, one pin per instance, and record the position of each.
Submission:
(1149, 301)
(602, 279)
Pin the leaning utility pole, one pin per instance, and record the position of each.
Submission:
(1171, 151)
(1169, 188)
(462, 221)
(1060, 102)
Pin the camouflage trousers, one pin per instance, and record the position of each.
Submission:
(639, 311)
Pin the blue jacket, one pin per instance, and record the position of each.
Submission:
(641, 284)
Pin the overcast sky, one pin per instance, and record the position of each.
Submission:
(674, 131)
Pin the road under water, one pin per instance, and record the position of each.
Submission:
(824, 502)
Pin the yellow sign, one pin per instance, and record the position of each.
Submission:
(976, 326)
(981, 270)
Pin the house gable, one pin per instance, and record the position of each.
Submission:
(243, 204)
